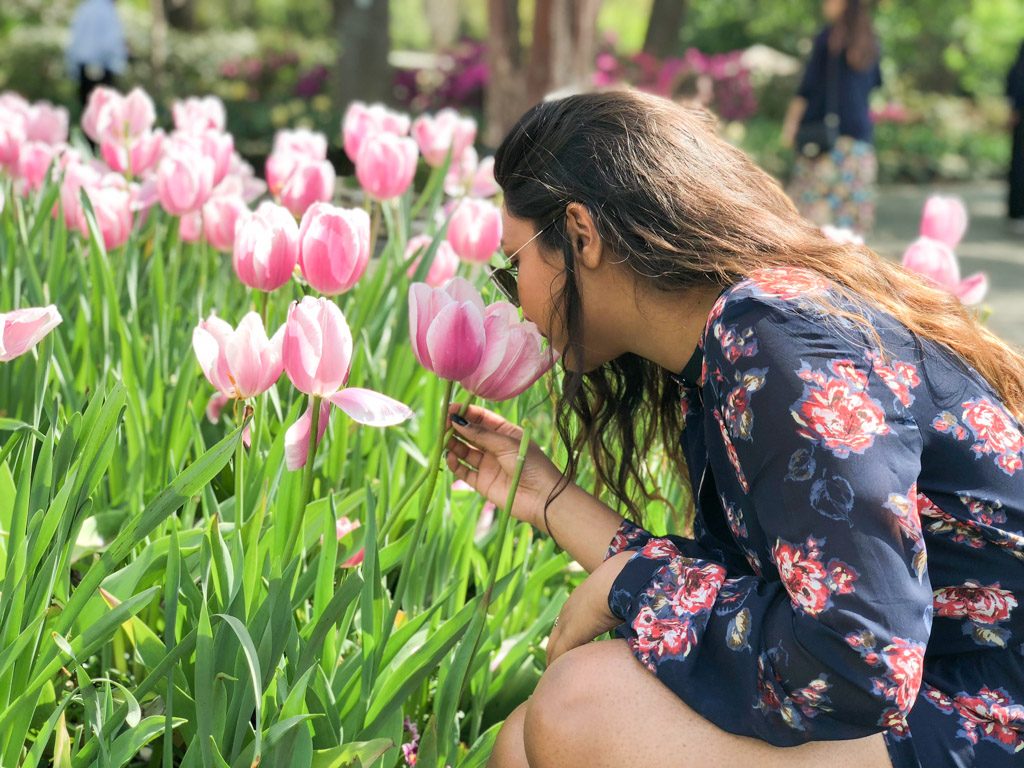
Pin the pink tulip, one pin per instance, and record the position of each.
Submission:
(184, 180)
(334, 247)
(446, 327)
(197, 115)
(215, 405)
(936, 262)
(221, 215)
(266, 247)
(98, 98)
(219, 147)
(22, 329)
(12, 136)
(302, 142)
(311, 182)
(76, 176)
(446, 130)
(944, 219)
(460, 173)
(361, 121)
(344, 527)
(317, 354)
(514, 357)
(240, 181)
(483, 183)
(240, 363)
(124, 119)
(442, 268)
(386, 165)
(34, 161)
(113, 209)
(190, 227)
(475, 230)
(279, 168)
(46, 123)
(137, 158)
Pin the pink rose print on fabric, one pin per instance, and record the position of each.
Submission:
(735, 344)
(738, 415)
(947, 422)
(836, 411)
(982, 607)
(904, 509)
(696, 589)
(810, 582)
(993, 716)
(656, 549)
(894, 722)
(900, 377)
(903, 662)
(734, 516)
(995, 432)
(985, 512)
(803, 703)
(788, 283)
(626, 535)
(658, 639)
(730, 450)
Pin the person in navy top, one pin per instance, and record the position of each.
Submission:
(1015, 92)
(850, 593)
(836, 187)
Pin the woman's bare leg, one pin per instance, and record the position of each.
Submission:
(598, 706)
(509, 750)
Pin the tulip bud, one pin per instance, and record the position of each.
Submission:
(442, 268)
(475, 230)
(310, 182)
(445, 130)
(221, 216)
(334, 247)
(184, 179)
(266, 247)
(944, 219)
(386, 165)
(361, 121)
(446, 327)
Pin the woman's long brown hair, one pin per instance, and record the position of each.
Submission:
(855, 34)
(684, 210)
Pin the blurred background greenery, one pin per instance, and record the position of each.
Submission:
(940, 113)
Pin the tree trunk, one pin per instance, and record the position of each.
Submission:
(362, 72)
(505, 97)
(663, 27)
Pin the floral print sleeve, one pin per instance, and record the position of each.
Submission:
(813, 456)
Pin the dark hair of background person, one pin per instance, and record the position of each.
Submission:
(683, 209)
(854, 32)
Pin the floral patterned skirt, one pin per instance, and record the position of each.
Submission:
(837, 188)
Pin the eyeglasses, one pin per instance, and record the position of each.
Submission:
(506, 279)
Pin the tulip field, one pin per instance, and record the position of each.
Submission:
(227, 535)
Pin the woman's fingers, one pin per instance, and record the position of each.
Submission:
(486, 419)
(465, 453)
(462, 471)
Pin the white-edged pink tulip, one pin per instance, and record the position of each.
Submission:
(344, 527)
(239, 362)
(197, 114)
(136, 159)
(47, 123)
(76, 177)
(302, 142)
(514, 356)
(221, 216)
(124, 119)
(936, 262)
(446, 327)
(184, 179)
(386, 165)
(334, 247)
(317, 353)
(442, 268)
(278, 169)
(447, 129)
(475, 230)
(240, 181)
(12, 136)
(266, 247)
(114, 217)
(361, 121)
(98, 98)
(34, 161)
(483, 183)
(219, 147)
(471, 177)
(944, 219)
(312, 181)
(22, 329)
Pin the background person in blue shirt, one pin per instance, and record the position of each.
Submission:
(97, 50)
(1015, 92)
(837, 186)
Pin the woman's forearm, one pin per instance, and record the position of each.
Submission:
(794, 114)
(582, 524)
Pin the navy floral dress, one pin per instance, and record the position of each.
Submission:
(858, 560)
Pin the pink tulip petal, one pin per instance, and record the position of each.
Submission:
(243, 353)
(296, 439)
(336, 354)
(419, 321)
(934, 260)
(455, 341)
(973, 289)
(370, 408)
(22, 329)
(215, 405)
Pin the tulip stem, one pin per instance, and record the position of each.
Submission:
(410, 552)
(307, 481)
(264, 306)
(374, 226)
(239, 485)
(415, 485)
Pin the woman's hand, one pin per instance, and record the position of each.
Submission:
(483, 453)
(586, 614)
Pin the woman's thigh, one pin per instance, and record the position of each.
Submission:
(598, 706)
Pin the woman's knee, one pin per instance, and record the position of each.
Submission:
(508, 750)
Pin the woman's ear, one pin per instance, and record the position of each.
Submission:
(583, 235)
